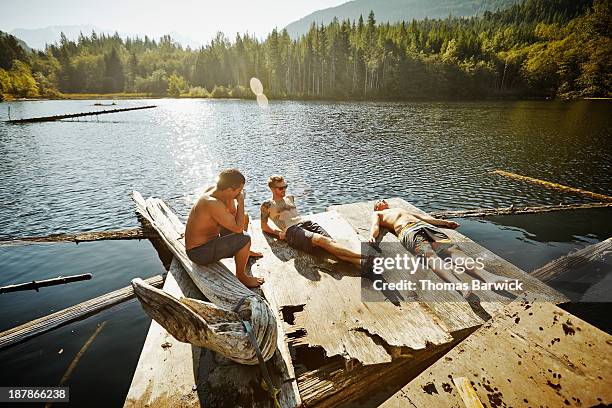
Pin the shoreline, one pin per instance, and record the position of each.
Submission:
(124, 96)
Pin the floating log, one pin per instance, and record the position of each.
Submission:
(575, 260)
(530, 354)
(34, 285)
(77, 115)
(135, 233)
(70, 314)
(146, 233)
(548, 184)
(512, 210)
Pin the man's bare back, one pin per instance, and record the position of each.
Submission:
(201, 226)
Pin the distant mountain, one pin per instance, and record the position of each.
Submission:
(38, 38)
(21, 43)
(397, 10)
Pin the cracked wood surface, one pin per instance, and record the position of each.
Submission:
(530, 354)
(359, 216)
(333, 315)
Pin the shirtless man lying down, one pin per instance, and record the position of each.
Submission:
(419, 234)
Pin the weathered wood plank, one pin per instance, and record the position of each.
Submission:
(334, 316)
(222, 382)
(358, 215)
(600, 252)
(360, 342)
(166, 372)
(531, 354)
(219, 285)
(70, 314)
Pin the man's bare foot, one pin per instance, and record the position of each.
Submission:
(250, 281)
(255, 254)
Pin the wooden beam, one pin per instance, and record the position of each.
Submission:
(487, 212)
(70, 314)
(135, 233)
(560, 267)
(555, 186)
(530, 354)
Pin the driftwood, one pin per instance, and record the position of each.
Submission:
(166, 374)
(531, 354)
(486, 212)
(135, 233)
(70, 314)
(215, 325)
(34, 285)
(575, 260)
(555, 186)
(77, 115)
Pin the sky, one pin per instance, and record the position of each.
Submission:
(198, 20)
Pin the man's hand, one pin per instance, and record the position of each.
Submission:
(240, 198)
(451, 224)
(281, 235)
(372, 239)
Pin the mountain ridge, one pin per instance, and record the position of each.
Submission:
(396, 10)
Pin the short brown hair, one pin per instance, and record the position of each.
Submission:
(275, 178)
(230, 178)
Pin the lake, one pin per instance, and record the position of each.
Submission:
(77, 176)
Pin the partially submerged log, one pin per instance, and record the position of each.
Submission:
(555, 186)
(70, 314)
(135, 233)
(36, 284)
(557, 269)
(531, 354)
(197, 322)
(512, 210)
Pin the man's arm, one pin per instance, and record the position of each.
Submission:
(435, 221)
(375, 228)
(219, 213)
(265, 226)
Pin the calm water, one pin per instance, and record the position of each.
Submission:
(77, 176)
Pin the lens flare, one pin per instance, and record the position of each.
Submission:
(256, 86)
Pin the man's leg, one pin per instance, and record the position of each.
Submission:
(437, 265)
(241, 258)
(459, 259)
(336, 249)
(253, 254)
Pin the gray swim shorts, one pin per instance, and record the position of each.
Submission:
(224, 246)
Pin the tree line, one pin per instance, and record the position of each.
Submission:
(538, 48)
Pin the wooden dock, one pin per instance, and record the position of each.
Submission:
(530, 355)
(333, 348)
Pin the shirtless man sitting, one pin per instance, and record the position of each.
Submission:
(299, 234)
(419, 235)
(213, 232)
